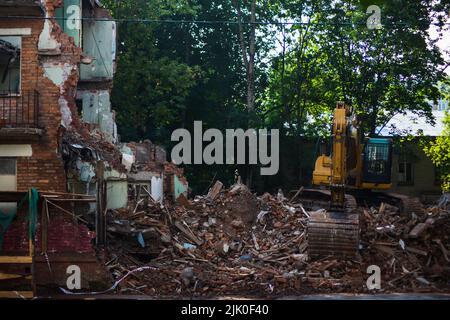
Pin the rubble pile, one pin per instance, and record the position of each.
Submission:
(148, 157)
(172, 169)
(91, 147)
(231, 242)
(411, 249)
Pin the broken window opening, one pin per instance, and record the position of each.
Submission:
(10, 49)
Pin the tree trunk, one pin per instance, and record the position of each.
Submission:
(251, 62)
(373, 121)
(248, 56)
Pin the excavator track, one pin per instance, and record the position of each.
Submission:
(331, 232)
(405, 203)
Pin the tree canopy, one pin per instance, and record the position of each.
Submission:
(234, 63)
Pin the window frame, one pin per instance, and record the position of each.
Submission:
(15, 170)
(405, 181)
(15, 166)
(19, 91)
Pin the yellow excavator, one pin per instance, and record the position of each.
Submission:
(357, 168)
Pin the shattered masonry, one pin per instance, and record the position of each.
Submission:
(232, 243)
(59, 128)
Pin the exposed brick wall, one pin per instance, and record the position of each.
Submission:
(64, 235)
(44, 169)
(15, 239)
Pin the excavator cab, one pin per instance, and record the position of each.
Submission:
(377, 163)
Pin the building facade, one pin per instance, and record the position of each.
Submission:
(413, 173)
(51, 62)
(56, 69)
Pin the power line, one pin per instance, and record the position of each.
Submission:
(206, 22)
(169, 21)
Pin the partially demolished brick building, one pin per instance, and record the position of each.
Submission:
(42, 76)
(58, 135)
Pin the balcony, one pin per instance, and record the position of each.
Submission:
(19, 115)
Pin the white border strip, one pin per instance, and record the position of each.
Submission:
(15, 32)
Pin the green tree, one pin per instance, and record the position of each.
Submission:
(150, 86)
(387, 71)
(438, 151)
(336, 57)
(236, 63)
(171, 74)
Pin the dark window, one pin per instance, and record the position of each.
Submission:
(405, 173)
(377, 161)
(79, 103)
(7, 166)
(377, 158)
(10, 47)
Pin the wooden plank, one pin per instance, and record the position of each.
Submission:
(11, 196)
(418, 230)
(188, 234)
(9, 276)
(100, 214)
(69, 200)
(45, 193)
(385, 249)
(44, 226)
(16, 259)
(296, 194)
(417, 251)
(16, 294)
(215, 190)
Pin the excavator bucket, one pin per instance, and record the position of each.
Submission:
(331, 232)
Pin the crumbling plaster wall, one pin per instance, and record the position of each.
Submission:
(97, 111)
(50, 65)
(59, 59)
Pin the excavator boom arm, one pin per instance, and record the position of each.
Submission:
(338, 156)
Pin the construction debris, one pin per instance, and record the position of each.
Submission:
(214, 192)
(233, 242)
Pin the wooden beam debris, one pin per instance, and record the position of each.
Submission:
(215, 190)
